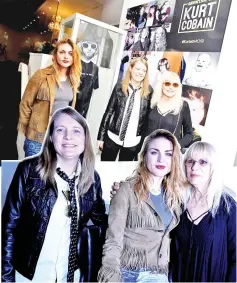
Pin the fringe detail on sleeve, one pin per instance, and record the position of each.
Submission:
(108, 274)
(43, 94)
(133, 258)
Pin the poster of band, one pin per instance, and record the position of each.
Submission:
(180, 36)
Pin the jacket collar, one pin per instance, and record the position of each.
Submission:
(175, 219)
(48, 70)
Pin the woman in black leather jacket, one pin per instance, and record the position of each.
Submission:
(122, 124)
(50, 200)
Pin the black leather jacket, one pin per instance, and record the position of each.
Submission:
(26, 215)
(115, 109)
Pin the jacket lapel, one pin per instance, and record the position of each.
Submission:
(150, 203)
(174, 221)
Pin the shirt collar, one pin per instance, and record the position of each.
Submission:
(131, 87)
(76, 172)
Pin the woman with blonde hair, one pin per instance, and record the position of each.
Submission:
(203, 245)
(48, 90)
(123, 121)
(143, 212)
(169, 111)
(50, 200)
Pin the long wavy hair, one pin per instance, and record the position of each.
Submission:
(175, 102)
(127, 78)
(215, 185)
(48, 158)
(74, 71)
(174, 183)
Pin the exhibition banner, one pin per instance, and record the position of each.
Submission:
(198, 25)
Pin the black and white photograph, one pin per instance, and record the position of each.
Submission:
(154, 13)
(142, 40)
(198, 100)
(127, 55)
(147, 39)
(158, 40)
(129, 41)
(201, 69)
(141, 16)
(89, 47)
(164, 13)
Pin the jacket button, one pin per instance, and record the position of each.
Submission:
(156, 214)
(160, 255)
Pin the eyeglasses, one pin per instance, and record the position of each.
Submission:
(191, 162)
(175, 85)
(86, 45)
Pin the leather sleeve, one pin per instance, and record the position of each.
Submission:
(11, 215)
(98, 215)
(27, 101)
(108, 114)
(187, 126)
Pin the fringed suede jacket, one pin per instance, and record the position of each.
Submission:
(136, 237)
(37, 104)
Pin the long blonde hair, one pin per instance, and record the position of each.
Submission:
(175, 102)
(74, 71)
(215, 184)
(48, 157)
(145, 86)
(174, 183)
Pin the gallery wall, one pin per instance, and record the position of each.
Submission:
(221, 116)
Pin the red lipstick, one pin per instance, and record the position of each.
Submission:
(161, 167)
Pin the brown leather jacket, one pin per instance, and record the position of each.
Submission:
(37, 103)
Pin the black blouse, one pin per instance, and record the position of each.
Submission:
(180, 125)
(205, 252)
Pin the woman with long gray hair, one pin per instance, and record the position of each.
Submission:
(51, 198)
(203, 245)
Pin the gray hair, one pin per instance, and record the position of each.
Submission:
(216, 187)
